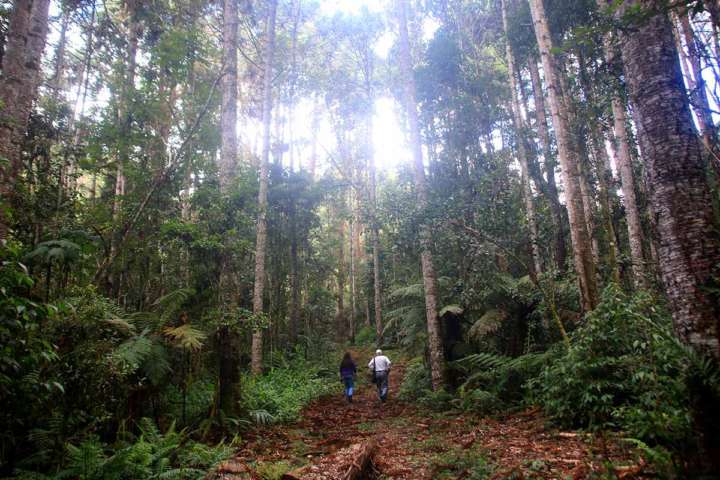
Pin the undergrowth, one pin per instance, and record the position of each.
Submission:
(148, 455)
(284, 391)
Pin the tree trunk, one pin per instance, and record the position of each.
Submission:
(603, 174)
(228, 127)
(340, 299)
(377, 279)
(679, 196)
(354, 235)
(261, 240)
(56, 83)
(522, 153)
(549, 164)
(124, 120)
(681, 204)
(623, 158)
(21, 76)
(698, 89)
(582, 250)
(294, 279)
(437, 360)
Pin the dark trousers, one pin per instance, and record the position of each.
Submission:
(381, 380)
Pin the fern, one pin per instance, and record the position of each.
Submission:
(131, 353)
(261, 417)
(186, 337)
(168, 305)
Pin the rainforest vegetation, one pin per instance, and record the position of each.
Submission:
(205, 203)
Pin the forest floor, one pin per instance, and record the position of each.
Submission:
(417, 443)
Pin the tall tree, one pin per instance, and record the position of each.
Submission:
(522, 154)
(623, 157)
(261, 232)
(21, 76)
(549, 164)
(228, 127)
(680, 200)
(582, 249)
(688, 246)
(435, 345)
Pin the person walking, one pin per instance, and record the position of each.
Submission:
(380, 366)
(347, 375)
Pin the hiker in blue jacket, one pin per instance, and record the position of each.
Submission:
(348, 369)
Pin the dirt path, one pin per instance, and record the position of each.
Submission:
(415, 443)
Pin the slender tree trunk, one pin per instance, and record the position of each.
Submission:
(698, 88)
(21, 76)
(84, 79)
(681, 204)
(340, 298)
(294, 279)
(377, 279)
(353, 271)
(228, 157)
(261, 240)
(124, 120)
(56, 83)
(522, 153)
(549, 164)
(603, 175)
(227, 174)
(623, 158)
(435, 345)
(582, 250)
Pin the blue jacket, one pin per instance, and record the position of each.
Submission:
(348, 371)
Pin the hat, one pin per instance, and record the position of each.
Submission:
(378, 352)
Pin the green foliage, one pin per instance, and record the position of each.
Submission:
(272, 470)
(620, 372)
(365, 336)
(280, 394)
(150, 455)
(457, 463)
(501, 377)
(416, 387)
(27, 356)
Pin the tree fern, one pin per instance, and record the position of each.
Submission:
(185, 336)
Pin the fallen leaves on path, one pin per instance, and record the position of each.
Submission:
(416, 444)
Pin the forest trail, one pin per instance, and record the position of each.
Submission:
(417, 443)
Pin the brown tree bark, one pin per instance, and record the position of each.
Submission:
(21, 76)
(603, 175)
(680, 202)
(522, 153)
(549, 165)
(623, 158)
(582, 250)
(261, 235)
(435, 346)
(688, 246)
(228, 115)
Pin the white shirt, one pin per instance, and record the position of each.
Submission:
(382, 363)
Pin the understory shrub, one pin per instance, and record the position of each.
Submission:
(623, 370)
(416, 387)
(493, 381)
(283, 392)
(149, 455)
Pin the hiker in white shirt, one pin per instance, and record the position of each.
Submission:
(380, 367)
